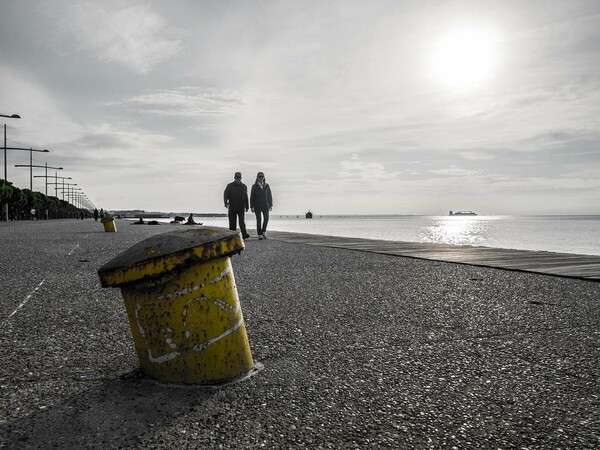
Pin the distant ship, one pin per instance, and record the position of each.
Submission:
(462, 213)
(309, 215)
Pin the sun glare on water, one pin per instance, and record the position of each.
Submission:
(463, 59)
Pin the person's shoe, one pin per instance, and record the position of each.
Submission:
(260, 237)
(264, 235)
(246, 236)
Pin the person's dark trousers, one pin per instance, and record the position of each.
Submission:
(235, 216)
(262, 219)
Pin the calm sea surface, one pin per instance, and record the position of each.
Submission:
(564, 234)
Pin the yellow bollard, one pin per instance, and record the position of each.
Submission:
(109, 224)
(182, 304)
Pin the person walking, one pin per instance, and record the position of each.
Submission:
(261, 202)
(236, 201)
(96, 214)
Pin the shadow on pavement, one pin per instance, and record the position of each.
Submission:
(114, 414)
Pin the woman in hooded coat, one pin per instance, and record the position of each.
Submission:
(261, 202)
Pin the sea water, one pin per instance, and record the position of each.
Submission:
(563, 234)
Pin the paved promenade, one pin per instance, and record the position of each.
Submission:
(355, 350)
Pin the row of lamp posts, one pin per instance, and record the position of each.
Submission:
(80, 198)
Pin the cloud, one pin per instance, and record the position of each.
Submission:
(110, 136)
(361, 170)
(475, 155)
(454, 172)
(562, 137)
(544, 184)
(116, 31)
(188, 101)
(113, 150)
(43, 119)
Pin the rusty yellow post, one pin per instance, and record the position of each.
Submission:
(109, 224)
(182, 303)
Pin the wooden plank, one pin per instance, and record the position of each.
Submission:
(549, 263)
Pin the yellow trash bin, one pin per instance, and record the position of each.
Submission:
(182, 304)
(109, 224)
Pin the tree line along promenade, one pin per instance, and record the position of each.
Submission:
(25, 204)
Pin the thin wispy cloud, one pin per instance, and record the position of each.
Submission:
(188, 102)
(475, 155)
(561, 138)
(108, 136)
(362, 171)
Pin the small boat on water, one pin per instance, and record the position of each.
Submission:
(462, 213)
(309, 215)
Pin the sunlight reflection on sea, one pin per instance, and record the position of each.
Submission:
(455, 230)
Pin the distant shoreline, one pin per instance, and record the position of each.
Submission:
(163, 215)
(160, 215)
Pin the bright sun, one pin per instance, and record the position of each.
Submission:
(464, 58)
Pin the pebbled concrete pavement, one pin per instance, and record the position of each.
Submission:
(355, 349)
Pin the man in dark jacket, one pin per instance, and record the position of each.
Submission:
(236, 201)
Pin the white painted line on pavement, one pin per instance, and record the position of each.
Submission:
(24, 302)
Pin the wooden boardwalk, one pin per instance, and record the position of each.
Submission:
(586, 267)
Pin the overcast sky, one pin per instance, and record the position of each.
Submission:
(349, 107)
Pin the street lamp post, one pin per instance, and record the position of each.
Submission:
(82, 200)
(46, 176)
(30, 150)
(68, 189)
(46, 166)
(75, 196)
(56, 183)
(31, 177)
(12, 116)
